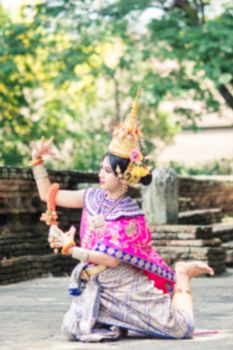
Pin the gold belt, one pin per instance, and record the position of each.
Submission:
(87, 273)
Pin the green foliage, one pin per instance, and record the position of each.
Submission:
(208, 46)
(22, 116)
(216, 167)
(200, 47)
(68, 68)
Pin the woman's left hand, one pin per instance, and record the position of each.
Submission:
(58, 238)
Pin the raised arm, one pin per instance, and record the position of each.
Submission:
(64, 198)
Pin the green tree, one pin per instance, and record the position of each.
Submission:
(183, 32)
(91, 38)
(28, 103)
(75, 65)
(12, 84)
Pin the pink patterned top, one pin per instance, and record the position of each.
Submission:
(124, 235)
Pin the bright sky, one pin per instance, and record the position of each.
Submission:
(10, 4)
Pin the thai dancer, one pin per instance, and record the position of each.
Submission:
(120, 283)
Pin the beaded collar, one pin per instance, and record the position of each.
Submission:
(127, 207)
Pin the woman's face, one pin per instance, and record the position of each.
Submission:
(108, 180)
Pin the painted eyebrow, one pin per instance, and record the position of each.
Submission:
(106, 167)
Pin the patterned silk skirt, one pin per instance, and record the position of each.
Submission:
(118, 299)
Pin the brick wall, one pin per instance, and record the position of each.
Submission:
(24, 250)
(208, 192)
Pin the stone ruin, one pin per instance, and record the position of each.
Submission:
(185, 216)
(24, 249)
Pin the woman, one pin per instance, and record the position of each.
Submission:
(121, 283)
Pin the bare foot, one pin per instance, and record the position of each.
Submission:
(193, 268)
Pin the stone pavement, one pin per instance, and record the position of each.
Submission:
(31, 314)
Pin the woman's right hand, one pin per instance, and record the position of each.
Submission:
(42, 148)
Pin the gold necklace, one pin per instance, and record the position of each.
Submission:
(98, 221)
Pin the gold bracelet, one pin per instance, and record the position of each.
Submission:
(39, 172)
(40, 177)
(67, 247)
(81, 254)
(35, 162)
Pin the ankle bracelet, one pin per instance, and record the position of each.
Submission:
(181, 290)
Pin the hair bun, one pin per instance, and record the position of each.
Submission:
(146, 180)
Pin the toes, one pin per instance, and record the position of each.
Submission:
(206, 268)
(211, 271)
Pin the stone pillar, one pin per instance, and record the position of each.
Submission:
(160, 198)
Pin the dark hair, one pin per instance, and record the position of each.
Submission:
(123, 163)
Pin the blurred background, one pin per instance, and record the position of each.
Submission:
(71, 68)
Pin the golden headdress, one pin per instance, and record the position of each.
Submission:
(127, 142)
